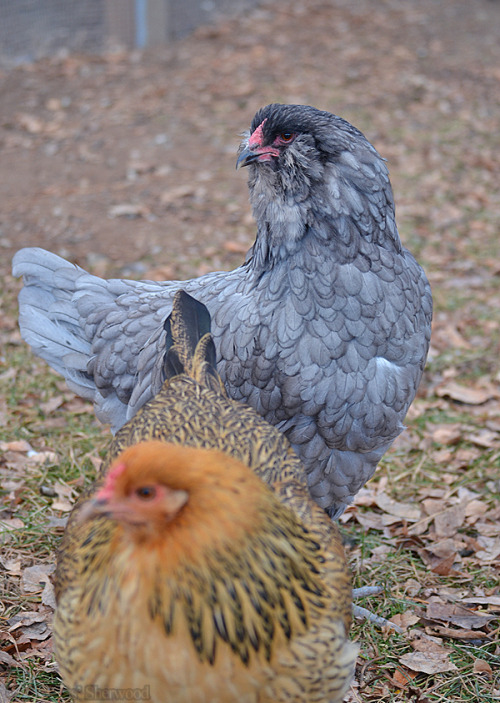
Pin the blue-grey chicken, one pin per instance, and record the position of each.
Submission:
(324, 329)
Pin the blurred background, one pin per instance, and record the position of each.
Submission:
(31, 29)
(118, 141)
(119, 125)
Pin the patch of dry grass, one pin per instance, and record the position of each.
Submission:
(421, 80)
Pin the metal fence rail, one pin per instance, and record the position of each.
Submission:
(31, 29)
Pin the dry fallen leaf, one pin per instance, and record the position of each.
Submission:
(5, 658)
(49, 596)
(405, 620)
(444, 567)
(57, 523)
(456, 614)
(482, 667)
(35, 576)
(484, 438)
(366, 497)
(26, 619)
(20, 445)
(445, 548)
(475, 508)
(412, 587)
(459, 633)
(42, 457)
(5, 695)
(13, 566)
(428, 662)
(463, 457)
(482, 600)
(37, 631)
(370, 520)
(465, 394)
(420, 527)
(448, 521)
(447, 434)
(63, 490)
(401, 680)
(52, 404)
(443, 456)
(490, 548)
(43, 651)
(62, 504)
(404, 511)
(12, 523)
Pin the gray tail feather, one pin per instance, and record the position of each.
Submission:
(48, 318)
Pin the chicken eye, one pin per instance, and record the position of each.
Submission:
(286, 137)
(146, 492)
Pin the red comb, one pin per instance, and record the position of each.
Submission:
(257, 137)
(110, 482)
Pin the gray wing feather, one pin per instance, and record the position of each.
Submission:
(324, 330)
(338, 383)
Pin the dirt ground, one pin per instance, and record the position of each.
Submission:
(125, 163)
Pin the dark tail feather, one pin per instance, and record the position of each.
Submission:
(186, 324)
(190, 347)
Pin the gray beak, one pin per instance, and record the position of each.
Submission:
(246, 157)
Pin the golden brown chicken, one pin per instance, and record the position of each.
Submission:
(182, 576)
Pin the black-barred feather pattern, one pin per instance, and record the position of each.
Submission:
(262, 617)
(233, 597)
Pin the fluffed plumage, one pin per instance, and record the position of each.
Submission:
(182, 575)
(324, 330)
